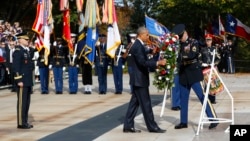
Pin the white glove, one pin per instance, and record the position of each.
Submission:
(77, 66)
(74, 55)
(54, 43)
(123, 66)
(204, 65)
(64, 68)
(93, 66)
(50, 66)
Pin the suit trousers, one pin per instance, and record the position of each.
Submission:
(140, 97)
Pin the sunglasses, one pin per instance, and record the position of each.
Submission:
(208, 39)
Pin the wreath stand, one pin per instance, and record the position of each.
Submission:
(164, 101)
(204, 119)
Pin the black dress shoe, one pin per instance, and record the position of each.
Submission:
(131, 130)
(87, 92)
(158, 130)
(213, 102)
(58, 92)
(24, 126)
(177, 108)
(213, 125)
(181, 125)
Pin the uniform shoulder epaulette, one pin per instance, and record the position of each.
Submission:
(17, 48)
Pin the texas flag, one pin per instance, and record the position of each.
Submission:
(236, 27)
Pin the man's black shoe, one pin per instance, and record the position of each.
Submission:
(24, 126)
(177, 108)
(131, 130)
(213, 125)
(180, 126)
(158, 130)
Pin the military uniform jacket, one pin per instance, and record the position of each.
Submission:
(41, 59)
(139, 63)
(190, 69)
(58, 56)
(22, 66)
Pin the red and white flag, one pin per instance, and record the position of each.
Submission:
(221, 27)
(64, 5)
(113, 38)
(236, 27)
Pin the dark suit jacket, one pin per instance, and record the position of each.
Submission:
(140, 64)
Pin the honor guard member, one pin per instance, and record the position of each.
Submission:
(190, 75)
(22, 67)
(44, 72)
(117, 69)
(86, 66)
(58, 60)
(207, 58)
(73, 68)
(102, 63)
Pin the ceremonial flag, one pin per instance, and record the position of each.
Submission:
(221, 27)
(154, 27)
(48, 27)
(236, 27)
(79, 5)
(38, 23)
(113, 36)
(43, 26)
(66, 30)
(64, 5)
(39, 43)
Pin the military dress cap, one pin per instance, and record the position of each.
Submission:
(132, 35)
(208, 36)
(73, 35)
(102, 35)
(22, 35)
(179, 29)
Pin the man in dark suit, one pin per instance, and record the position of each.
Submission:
(139, 80)
(190, 75)
(22, 68)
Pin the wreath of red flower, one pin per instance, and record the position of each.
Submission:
(164, 75)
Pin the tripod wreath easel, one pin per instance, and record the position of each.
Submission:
(204, 119)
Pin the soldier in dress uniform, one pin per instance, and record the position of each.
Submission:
(22, 67)
(207, 56)
(190, 75)
(73, 68)
(102, 61)
(117, 69)
(43, 71)
(59, 53)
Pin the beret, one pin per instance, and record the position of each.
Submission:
(178, 29)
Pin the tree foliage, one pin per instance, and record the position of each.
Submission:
(130, 13)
